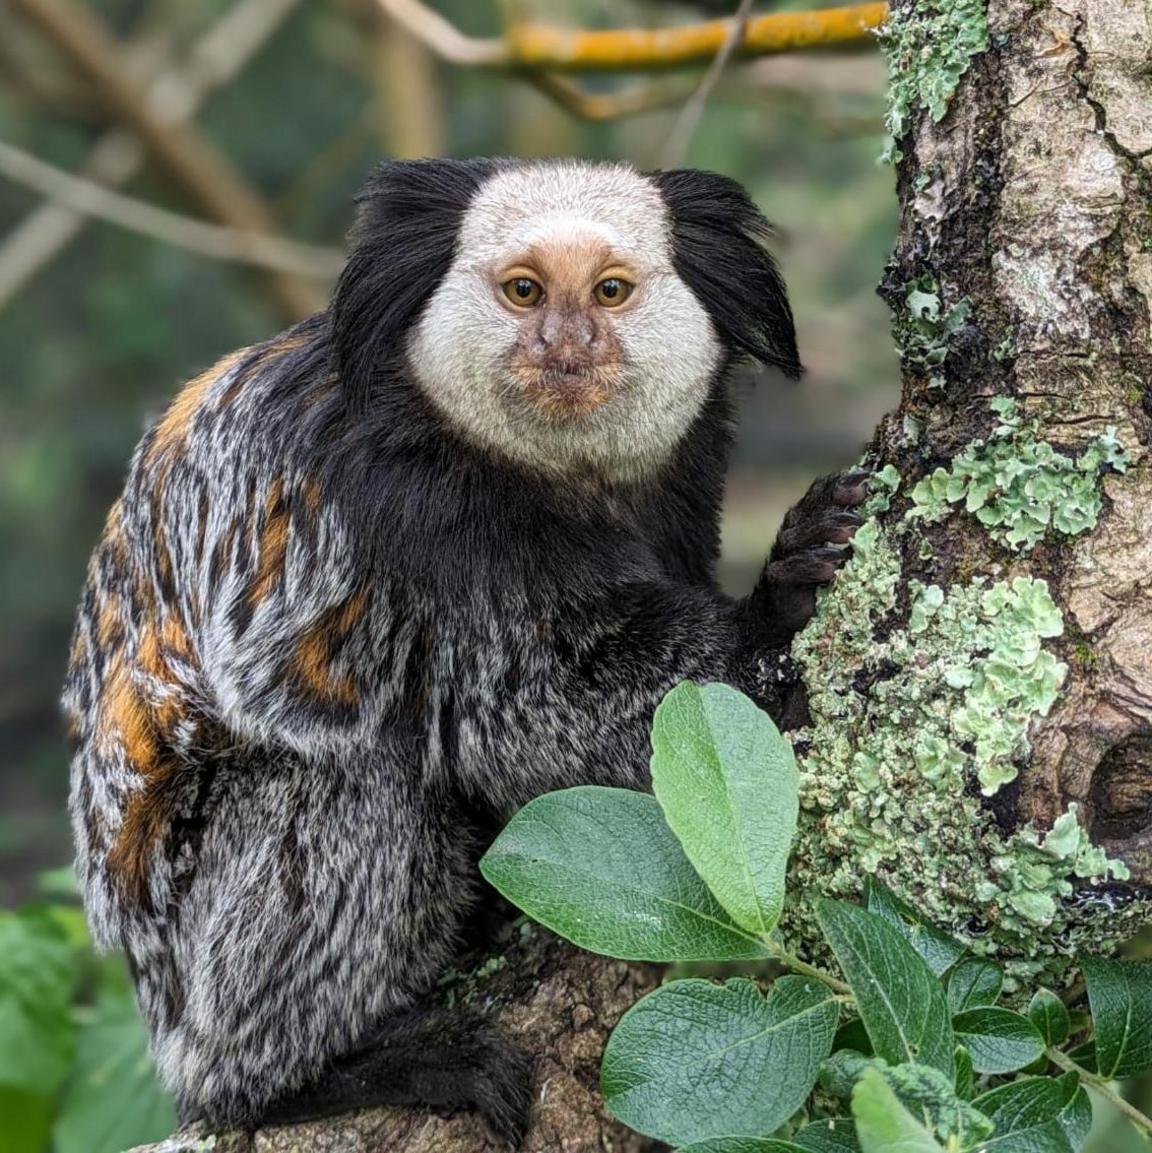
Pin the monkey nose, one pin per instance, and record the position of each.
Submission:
(562, 331)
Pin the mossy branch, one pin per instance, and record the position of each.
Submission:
(532, 46)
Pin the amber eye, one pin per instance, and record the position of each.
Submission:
(612, 293)
(523, 291)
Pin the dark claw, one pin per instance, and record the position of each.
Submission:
(844, 526)
(852, 488)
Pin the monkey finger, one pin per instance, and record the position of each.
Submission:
(851, 488)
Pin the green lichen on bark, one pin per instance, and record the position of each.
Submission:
(928, 45)
(1019, 486)
(920, 708)
(925, 329)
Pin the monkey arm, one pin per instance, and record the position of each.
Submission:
(576, 709)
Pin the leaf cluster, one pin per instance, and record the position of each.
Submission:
(907, 1048)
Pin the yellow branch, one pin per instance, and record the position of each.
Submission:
(530, 47)
(622, 49)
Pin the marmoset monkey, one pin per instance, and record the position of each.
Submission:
(376, 583)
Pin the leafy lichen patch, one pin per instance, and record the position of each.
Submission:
(926, 327)
(909, 721)
(1019, 486)
(928, 45)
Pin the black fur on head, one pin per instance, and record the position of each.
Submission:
(718, 237)
(403, 243)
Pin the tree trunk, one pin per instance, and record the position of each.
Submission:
(957, 709)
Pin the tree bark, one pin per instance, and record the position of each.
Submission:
(1032, 199)
(958, 709)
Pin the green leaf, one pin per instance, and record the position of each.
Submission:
(1047, 1137)
(964, 1080)
(832, 1136)
(1120, 997)
(998, 1040)
(729, 787)
(696, 1060)
(932, 1097)
(1084, 1054)
(741, 1145)
(936, 947)
(839, 1074)
(883, 1125)
(901, 1003)
(973, 983)
(928, 1093)
(112, 1100)
(37, 976)
(1050, 1016)
(26, 1121)
(601, 867)
(1038, 1113)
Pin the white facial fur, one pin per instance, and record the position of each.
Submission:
(461, 347)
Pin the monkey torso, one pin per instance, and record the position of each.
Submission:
(305, 631)
(379, 581)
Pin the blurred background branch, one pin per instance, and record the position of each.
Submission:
(684, 128)
(189, 158)
(87, 198)
(174, 95)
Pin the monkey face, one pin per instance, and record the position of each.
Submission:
(562, 335)
(568, 293)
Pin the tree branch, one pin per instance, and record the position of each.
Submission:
(680, 138)
(188, 157)
(540, 46)
(254, 248)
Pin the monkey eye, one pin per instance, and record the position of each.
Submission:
(523, 291)
(612, 292)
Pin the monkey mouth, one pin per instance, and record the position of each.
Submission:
(562, 393)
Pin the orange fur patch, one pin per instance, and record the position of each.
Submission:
(273, 544)
(127, 720)
(110, 623)
(174, 637)
(150, 655)
(171, 432)
(314, 670)
(310, 490)
(317, 649)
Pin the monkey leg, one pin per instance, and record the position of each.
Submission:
(326, 899)
(442, 1059)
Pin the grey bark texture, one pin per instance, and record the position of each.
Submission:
(1032, 200)
(557, 1002)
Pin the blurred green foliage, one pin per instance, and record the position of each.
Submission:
(75, 1075)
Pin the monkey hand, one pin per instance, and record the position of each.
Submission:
(813, 543)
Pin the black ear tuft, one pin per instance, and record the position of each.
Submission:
(403, 243)
(718, 237)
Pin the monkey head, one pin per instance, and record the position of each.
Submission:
(568, 316)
